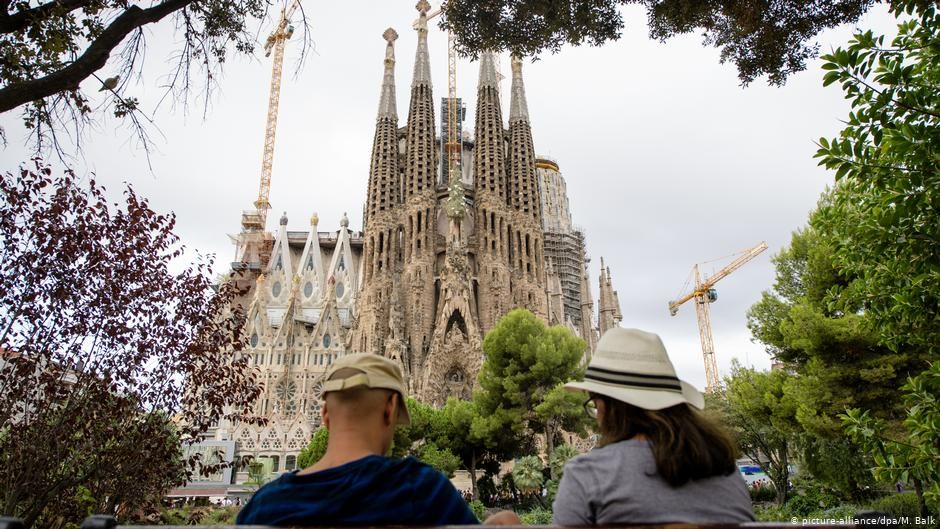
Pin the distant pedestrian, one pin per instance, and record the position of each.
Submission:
(899, 486)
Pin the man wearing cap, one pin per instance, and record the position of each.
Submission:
(658, 459)
(354, 484)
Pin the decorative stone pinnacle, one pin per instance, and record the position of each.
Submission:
(314, 219)
(344, 222)
(284, 219)
(390, 35)
(423, 7)
(516, 63)
(488, 74)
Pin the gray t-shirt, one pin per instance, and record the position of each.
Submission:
(618, 484)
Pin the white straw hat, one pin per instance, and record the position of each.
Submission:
(632, 366)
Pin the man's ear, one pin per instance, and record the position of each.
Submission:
(325, 414)
(391, 409)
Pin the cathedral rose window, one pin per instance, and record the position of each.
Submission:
(326, 340)
(276, 289)
(339, 290)
(286, 392)
(254, 339)
(308, 289)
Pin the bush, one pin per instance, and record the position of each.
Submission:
(536, 516)
(479, 510)
(811, 496)
(898, 505)
(767, 493)
(771, 513)
(776, 513)
(222, 516)
(841, 512)
(189, 514)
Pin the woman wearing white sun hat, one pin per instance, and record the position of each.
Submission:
(658, 459)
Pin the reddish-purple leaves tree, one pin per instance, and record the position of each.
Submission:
(108, 358)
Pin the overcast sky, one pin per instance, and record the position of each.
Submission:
(668, 160)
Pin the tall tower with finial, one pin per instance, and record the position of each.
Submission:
(608, 309)
(382, 252)
(526, 248)
(420, 225)
(493, 225)
(587, 330)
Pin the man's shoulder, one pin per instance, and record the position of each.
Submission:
(418, 469)
(276, 485)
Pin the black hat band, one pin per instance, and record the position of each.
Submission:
(629, 379)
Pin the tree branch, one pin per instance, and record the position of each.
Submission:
(21, 19)
(94, 58)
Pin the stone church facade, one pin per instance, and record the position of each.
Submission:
(436, 265)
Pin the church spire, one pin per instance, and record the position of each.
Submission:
(587, 311)
(518, 109)
(608, 309)
(523, 181)
(420, 145)
(383, 192)
(488, 75)
(387, 109)
(422, 73)
(490, 168)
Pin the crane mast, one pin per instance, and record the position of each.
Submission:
(705, 294)
(453, 144)
(453, 141)
(274, 44)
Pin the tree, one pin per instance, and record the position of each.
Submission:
(315, 449)
(525, 362)
(478, 442)
(556, 467)
(883, 213)
(917, 456)
(759, 37)
(527, 475)
(562, 411)
(51, 47)
(881, 217)
(442, 459)
(421, 439)
(837, 356)
(763, 420)
(559, 458)
(101, 345)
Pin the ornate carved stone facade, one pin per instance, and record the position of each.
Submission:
(300, 306)
(450, 257)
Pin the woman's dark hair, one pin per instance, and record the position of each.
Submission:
(686, 445)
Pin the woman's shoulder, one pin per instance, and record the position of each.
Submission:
(603, 457)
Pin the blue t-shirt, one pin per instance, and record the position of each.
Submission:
(374, 490)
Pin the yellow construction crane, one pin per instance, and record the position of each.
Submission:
(705, 293)
(273, 44)
(454, 143)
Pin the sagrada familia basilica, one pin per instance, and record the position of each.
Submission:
(440, 258)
